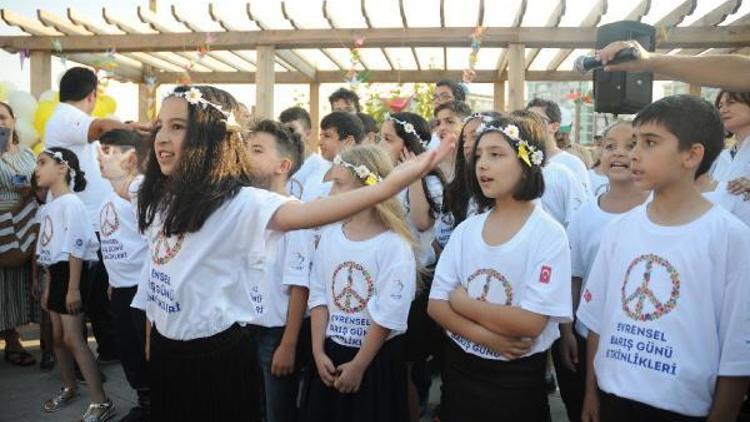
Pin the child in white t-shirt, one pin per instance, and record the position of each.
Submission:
(362, 283)
(585, 232)
(668, 291)
(124, 251)
(314, 166)
(280, 298)
(502, 285)
(65, 241)
(209, 243)
(719, 193)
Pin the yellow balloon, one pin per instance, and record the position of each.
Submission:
(38, 148)
(3, 91)
(43, 112)
(105, 106)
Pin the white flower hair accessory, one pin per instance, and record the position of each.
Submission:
(408, 128)
(528, 153)
(364, 174)
(195, 97)
(479, 115)
(57, 156)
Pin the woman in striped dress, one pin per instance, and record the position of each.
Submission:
(16, 213)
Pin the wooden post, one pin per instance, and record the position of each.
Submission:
(146, 97)
(315, 111)
(694, 90)
(516, 76)
(264, 81)
(498, 98)
(41, 72)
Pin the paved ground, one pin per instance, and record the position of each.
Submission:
(23, 390)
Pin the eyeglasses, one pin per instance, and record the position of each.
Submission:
(442, 96)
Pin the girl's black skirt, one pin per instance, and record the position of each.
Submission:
(382, 396)
(477, 389)
(206, 379)
(59, 273)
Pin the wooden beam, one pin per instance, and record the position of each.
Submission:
(694, 90)
(498, 96)
(502, 61)
(41, 72)
(315, 111)
(713, 18)
(264, 83)
(590, 21)
(554, 19)
(732, 36)
(677, 15)
(639, 11)
(516, 75)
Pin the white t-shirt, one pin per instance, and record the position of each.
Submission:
(585, 232)
(425, 252)
(736, 204)
(576, 165)
(63, 232)
(315, 168)
(670, 304)
(124, 248)
(68, 127)
(316, 186)
(361, 282)
(563, 194)
(434, 142)
(727, 168)
(445, 223)
(289, 265)
(599, 183)
(530, 271)
(199, 283)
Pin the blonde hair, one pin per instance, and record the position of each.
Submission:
(390, 213)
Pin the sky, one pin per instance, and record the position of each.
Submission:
(383, 13)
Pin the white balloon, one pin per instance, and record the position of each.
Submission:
(9, 87)
(26, 132)
(48, 95)
(23, 104)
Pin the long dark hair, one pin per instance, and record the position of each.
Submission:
(71, 160)
(458, 192)
(213, 167)
(416, 145)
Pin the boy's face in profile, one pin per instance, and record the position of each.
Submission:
(330, 143)
(264, 157)
(657, 160)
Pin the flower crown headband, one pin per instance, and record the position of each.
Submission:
(408, 128)
(195, 97)
(485, 118)
(528, 153)
(57, 156)
(364, 174)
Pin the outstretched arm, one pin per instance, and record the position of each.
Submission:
(296, 215)
(727, 71)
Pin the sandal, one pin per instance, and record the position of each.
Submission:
(19, 357)
(63, 398)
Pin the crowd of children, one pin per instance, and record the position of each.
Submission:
(257, 273)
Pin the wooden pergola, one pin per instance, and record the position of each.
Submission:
(162, 49)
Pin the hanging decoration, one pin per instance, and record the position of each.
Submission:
(398, 104)
(579, 97)
(23, 54)
(58, 48)
(150, 102)
(354, 75)
(476, 43)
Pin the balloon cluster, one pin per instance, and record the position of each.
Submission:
(32, 115)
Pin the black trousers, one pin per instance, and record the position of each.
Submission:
(98, 308)
(130, 328)
(613, 408)
(572, 383)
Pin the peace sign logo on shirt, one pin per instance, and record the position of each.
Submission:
(108, 220)
(354, 278)
(490, 277)
(165, 248)
(295, 188)
(642, 303)
(45, 235)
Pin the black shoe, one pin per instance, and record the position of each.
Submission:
(136, 414)
(47, 363)
(106, 360)
(79, 376)
(549, 381)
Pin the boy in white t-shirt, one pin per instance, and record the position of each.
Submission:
(124, 252)
(668, 292)
(297, 119)
(280, 297)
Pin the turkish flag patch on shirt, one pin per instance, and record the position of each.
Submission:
(587, 295)
(545, 274)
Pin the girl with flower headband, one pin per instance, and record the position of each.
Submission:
(206, 227)
(362, 284)
(502, 284)
(65, 241)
